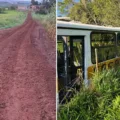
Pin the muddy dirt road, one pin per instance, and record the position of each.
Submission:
(27, 73)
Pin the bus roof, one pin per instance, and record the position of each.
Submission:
(73, 25)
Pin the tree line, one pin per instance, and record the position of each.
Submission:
(99, 12)
(44, 7)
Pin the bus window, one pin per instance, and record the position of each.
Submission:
(60, 61)
(76, 56)
(118, 44)
(105, 43)
(77, 53)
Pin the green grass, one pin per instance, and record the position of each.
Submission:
(101, 102)
(60, 47)
(11, 18)
(48, 19)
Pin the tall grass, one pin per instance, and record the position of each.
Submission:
(48, 21)
(11, 18)
(102, 102)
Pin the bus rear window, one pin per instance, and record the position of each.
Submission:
(105, 44)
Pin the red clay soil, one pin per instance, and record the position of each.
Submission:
(27, 73)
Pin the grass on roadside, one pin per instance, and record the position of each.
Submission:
(102, 102)
(48, 21)
(11, 18)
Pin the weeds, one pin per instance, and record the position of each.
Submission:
(106, 81)
(48, 21)
(113, 110)
(102, 102)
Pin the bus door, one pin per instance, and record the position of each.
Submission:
(62, 61)
(76, 66)
(70, 62)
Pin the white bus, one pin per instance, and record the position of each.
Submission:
(76, 44)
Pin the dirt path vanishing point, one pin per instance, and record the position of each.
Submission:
(27, 73)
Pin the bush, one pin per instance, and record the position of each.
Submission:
(114, 110)
(106, 81)
(2, 10)
(102, 102)
(81, 107)
(13, 7)
(41, 11)
(49, 21)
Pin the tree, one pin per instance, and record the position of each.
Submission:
(100, 12)
(52, 2)
(65, 5)
(2, 10)
(33, 2)
(46, 6)
(36, 3)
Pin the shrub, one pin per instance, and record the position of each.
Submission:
(2, 10)
(114, 110)
(13, 7)
(81, 107)
(49, 22)
(102, 102)
(106, 81)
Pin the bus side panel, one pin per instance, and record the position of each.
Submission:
(102, 66)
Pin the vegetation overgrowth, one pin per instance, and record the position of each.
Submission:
(11, 18)
(48, 21)
(99, 102)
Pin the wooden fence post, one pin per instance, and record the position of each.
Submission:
(96, 58)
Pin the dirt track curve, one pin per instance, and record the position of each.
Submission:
(27, 73)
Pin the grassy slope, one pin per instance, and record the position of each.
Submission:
(101, 102)
(11, 18)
